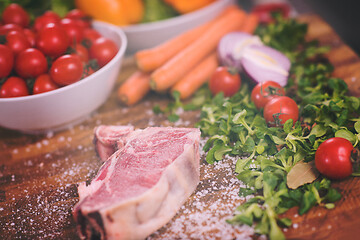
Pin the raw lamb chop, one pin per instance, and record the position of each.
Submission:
(141, 186)
(107, 139)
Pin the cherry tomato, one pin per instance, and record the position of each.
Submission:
(103, 50)
(66, 69)
(73, 30)
(43, 83)
(82, 52)
(225, 80)
(333, 158)
(30, 35)
(14, 87)
(6, 60)
(75, 14)
(278, 110)
(17, 41)
(263, 92)
(52, 40)
(91, 34)
(30, 63)
(45, 19)
(80, 18)
(264, 11)
(9, 27)
(14, 13)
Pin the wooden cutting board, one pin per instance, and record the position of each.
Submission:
(39, 173)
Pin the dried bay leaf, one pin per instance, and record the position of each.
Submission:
(301, 174)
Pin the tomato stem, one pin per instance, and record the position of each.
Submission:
(232, 70)
(355, 154)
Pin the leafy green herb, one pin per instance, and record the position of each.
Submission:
(267, 154)
(200, 97)
(236, 127)
(171, 108)
(156, 10)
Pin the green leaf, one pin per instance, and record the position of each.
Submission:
(220, 152)
(241, 218)
(329, 205)
(244, 192)
(210, 158)
(275, 231)
(357, 126)
(249, 145)
(241, 164)
(157, 109)
(318, 130)
(311, 110)
(355, 102)
(344, 133)
(278, 140)
(176, 95)
(284, 155)
(61, 7)
(260, 149)
(270, 182)
(249, 177)
(156, 10)
(222, 138)
(288, 126)
(286, 222)
(308, 201)
(218, 100)
(173, 117)
(338, 85)
(239, 118)
(265, 163)
(332, 195)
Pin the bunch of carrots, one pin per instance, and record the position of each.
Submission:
(185, 62)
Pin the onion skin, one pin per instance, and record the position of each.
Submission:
(263, 63)
(232, 46)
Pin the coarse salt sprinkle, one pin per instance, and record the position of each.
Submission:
(204, 215)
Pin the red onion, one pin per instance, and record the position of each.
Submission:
(231, 48)
(264, 63)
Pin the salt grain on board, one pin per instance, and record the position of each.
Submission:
(204, 215)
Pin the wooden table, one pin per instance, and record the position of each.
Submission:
(39, 173)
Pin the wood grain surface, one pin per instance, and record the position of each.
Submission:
(39, 173)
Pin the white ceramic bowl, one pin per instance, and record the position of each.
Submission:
(146, 35)
(68, 105)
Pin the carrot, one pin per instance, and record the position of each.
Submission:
(168, 74)
(194, 79)
(150, 59)
(250, 24)
(134, 88)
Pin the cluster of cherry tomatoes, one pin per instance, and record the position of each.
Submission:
(335, 158)
(268, 95)
(49, 53)
(278, 108)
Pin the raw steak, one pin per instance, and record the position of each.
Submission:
(110, 138)
(141, 186)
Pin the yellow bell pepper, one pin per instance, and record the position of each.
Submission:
(118, 12)
(186, 6)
